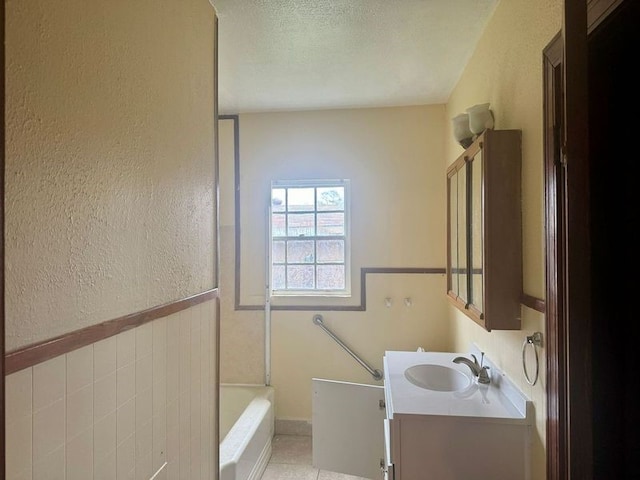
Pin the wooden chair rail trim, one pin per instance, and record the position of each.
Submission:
(535, 303)
(39, 352)
(363, 291)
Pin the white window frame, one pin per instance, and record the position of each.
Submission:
(346, 291)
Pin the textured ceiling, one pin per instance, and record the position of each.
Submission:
(279, 55)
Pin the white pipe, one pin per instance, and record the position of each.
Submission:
(267, 303)
(267, 338)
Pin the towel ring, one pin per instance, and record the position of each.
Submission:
(534, 340)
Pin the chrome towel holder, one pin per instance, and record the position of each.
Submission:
(535, 341)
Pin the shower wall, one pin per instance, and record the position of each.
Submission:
(109, 161)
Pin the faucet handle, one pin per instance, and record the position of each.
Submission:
(475, 359)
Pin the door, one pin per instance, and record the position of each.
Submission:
(348, 427)
(574, 251)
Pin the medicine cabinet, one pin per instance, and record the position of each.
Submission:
(484, 230)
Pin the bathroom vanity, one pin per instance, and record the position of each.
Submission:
(453, 429)
(430, 420)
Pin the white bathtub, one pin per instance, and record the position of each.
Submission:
(246, 430)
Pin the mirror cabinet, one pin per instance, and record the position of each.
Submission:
(484, 230)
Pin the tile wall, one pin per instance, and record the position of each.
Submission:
(138, 405)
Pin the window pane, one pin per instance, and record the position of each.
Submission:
(330, 224)
(301, 224)
(278, 225)
(277, 278)
(330, 251)
(277, 255)
(331, 198)
(300, 251)
(278, 199)
(300, 199)
(331, 277)
(300, 277)
(308, 237)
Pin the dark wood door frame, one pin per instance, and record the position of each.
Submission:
(569, 433)
(555, 329)
(2, 137)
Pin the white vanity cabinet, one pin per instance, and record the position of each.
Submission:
(405, 432)
(479, 431)
(438, 449)
(424, 447)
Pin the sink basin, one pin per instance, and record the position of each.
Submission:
(437, 377)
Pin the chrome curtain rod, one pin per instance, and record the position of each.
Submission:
(376, 374)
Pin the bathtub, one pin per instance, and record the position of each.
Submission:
(246, 430)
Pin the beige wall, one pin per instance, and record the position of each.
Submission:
(109, 160)
(393, 157)
(301, 351)
(506, 70)
(110, 209)
(120, 408)
(390, 155)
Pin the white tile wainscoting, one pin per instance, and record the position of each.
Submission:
(126, 407)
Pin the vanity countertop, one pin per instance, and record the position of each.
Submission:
(500, 401)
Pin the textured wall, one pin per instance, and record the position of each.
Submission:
(110, 151)
(506, 70)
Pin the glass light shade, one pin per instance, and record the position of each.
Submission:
(461, 131)
(480, 118)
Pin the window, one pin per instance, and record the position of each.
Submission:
(310, 237)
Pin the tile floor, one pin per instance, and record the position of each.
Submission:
(291, 460)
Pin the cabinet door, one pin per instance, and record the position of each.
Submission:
(463, 235)
(484, 235)
(348, 427)
(476, 234)
(457, 284)
(452, 235)
(387, 465)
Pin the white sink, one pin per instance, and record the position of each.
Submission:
(437, 377)
(430, 383)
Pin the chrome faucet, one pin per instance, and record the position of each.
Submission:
(479, 370)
